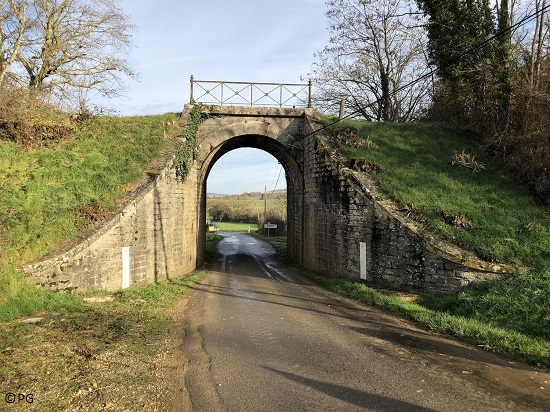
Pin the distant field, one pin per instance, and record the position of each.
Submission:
(245, 207)
(237, 226)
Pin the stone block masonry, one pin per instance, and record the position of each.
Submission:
(349, 233)
(153, 238)
(335, 224)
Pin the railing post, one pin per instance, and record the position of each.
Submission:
(191, 100)
(309, 95)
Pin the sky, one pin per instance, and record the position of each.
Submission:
(237, 40)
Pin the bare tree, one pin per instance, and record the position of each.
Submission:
(76, 45)
(13, 25)
(376, 48)
(539, 39)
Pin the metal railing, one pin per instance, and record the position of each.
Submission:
(222, 93)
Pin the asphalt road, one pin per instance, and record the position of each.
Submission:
(260, 338)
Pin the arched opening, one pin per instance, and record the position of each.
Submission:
(290, 174)
(245, 188)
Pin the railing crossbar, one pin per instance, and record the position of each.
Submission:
(238, 91)
(248, 83)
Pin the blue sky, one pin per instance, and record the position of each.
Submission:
(237, 40)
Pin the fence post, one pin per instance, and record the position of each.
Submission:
(342, 103)
(191, 100)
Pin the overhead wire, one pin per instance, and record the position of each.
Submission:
(472, 49)
(277, 182)
(275, 175)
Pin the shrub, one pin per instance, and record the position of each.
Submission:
(26, 120)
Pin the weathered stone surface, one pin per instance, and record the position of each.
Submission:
(331, 210)
(156, 229)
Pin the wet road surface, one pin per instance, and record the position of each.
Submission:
(260, 338)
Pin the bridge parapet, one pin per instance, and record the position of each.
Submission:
(223, 93)
(247, 111)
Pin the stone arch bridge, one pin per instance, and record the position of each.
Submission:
(334, 223)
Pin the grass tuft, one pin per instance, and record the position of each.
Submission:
(212, 241)
(18, 298)
(519, 303)
(161, 293)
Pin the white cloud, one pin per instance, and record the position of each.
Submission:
(239, 40)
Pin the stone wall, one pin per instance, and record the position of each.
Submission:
(153, 238)
(335, 224)
(349, 233)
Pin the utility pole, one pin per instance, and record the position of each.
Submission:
(265, 204)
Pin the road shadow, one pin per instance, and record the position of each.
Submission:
(375, 324)
(365, 400)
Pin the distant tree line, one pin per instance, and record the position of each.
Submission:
(245, 208)
(476, 64)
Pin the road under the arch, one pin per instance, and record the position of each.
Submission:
(259, 337)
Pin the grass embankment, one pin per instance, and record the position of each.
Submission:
(54, 193)
(101, 356)
(484, 211)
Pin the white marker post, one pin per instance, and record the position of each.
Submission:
(125, 267)
(363, 260)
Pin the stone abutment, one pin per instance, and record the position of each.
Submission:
(335, 225)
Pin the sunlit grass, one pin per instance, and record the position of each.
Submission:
(518, 303)
(237, 226)
(51, 194)
(507, 224)
(18, 298)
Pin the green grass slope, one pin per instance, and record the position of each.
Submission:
(54, 193)
(484, 211)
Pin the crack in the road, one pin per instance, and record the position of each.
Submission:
(203, 395)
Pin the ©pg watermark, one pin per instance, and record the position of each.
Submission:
(19, 397)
